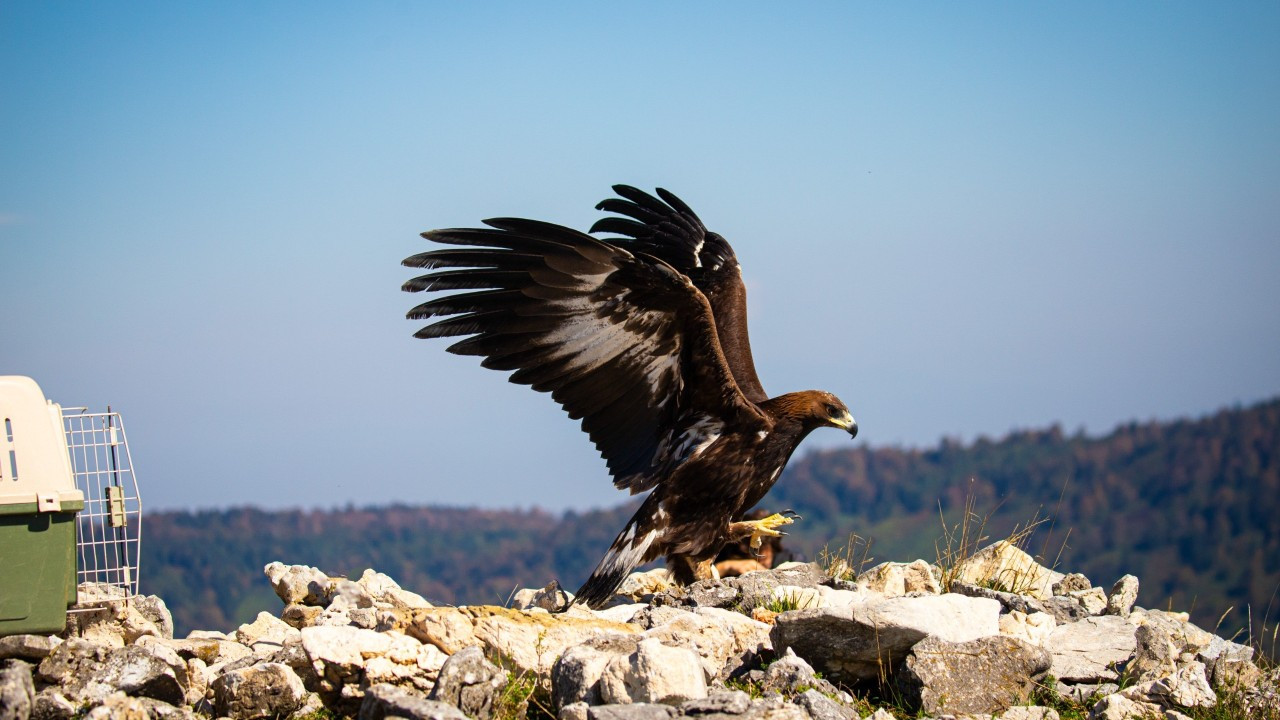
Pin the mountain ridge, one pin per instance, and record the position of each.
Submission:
(1192, 506)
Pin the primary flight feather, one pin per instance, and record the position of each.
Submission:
(643, 338)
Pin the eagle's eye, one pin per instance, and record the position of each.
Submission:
(832, 411)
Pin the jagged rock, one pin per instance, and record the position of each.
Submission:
(266, 690)
(532, 642)
(87, 672)
(211, 652)
(821, 707)
(1029, 712)
(1184, 634)
(1004, 565)
(835, 597)
(51, 704)
(1186, 686)
(298, 584)
(346, 659)
(1010, 602)
(1084, 694)
(71, 663)
(551, 597)
(1229, 664)
(704, 593)
(575, 677)
(1155, 655)
(759, 585)
(390, 701)
(639, 585)
(119, 706)
(197, 681)
(1093, 600)
(470, 683)
(447, 628)
(730, 702)
(206, 635)
(895, 579)
(623, 613)
(28, 647)
(1071, 582)
(1090, 650)
(749, 636)
(634, 711)
(791, 675)
(1122, 597)
(712, 642)
(154, 609)
(1119, 707)
(299, 616)
(1034, 628)
(268, 630)
(17, 690)
(387, 591)
(1065, 609)
(111, 622)
(349, 595)
(573, 711)
(863, 641)
(654, 673)
(986, 675)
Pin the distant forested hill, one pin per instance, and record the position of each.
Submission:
(1191, 507)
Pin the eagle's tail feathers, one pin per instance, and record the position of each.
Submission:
(628, 551)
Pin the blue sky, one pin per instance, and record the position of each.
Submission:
(961, 218)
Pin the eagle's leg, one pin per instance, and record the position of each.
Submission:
(688, 569)
(758, 530)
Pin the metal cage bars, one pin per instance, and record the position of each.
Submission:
(110, 526)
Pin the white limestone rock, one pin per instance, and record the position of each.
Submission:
(706, 637)
(863, 641)
(386, 591)
(1005, 565)
(266, 630)
(300, 584)
(264, 690)
(894, 579)
(532, 642)
(1123, 596)
(1091, 649)
(1093, 600)
(654, 673)
(1034, 628)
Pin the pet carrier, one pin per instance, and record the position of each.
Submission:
(70, 514)
(38, 506)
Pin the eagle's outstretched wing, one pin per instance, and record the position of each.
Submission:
(620, 339)
(669, 230)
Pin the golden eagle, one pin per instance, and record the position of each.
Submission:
(643, 338)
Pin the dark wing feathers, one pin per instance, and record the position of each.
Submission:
(620, 339)
(666, 228)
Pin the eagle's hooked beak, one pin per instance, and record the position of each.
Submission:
(847, 424)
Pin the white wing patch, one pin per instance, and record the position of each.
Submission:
(694, 441)
(626, 554)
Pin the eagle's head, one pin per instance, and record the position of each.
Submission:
(819, 408)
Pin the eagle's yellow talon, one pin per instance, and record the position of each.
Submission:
(766, 527)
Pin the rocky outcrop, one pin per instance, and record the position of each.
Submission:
(782, 644)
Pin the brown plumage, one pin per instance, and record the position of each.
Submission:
(644, 339)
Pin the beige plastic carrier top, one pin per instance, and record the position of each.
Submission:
(35, 466)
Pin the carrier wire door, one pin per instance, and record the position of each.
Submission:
(111, 522)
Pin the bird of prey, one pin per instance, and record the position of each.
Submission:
(643, 337)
